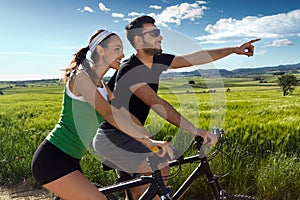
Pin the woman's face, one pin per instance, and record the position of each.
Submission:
(113, 53)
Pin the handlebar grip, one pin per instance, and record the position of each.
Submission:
(155, 149)
(199, 139)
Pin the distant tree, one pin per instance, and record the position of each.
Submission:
(278, 73)
(258, 78)
(1, 93)
(286, 82)
(192, 82)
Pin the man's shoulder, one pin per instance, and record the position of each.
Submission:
(164, 58)
(164, 55)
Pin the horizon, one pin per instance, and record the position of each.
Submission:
(108, 76)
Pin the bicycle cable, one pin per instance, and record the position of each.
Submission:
(215, 153)
(173, 175)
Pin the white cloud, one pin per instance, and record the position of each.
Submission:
(116, 21)
(134, 14)
(86, 9)
(274, 26)
(279, 43)
(201, 2)
(175, 14)
(128, 19)
(156, 7)
(118, 15)
(102, 7)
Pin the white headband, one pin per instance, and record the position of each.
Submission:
(101, 36)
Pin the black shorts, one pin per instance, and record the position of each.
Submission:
(50, 163)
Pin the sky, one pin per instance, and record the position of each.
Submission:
(39, 37)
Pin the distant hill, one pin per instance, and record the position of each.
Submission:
(241, 72)
(25, 83)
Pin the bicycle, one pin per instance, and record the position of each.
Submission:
(157, 186)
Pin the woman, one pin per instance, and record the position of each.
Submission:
(55, 164)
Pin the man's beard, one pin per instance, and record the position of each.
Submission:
(151, 51)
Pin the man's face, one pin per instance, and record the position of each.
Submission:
(151, 39)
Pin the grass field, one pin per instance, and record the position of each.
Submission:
(261, 142)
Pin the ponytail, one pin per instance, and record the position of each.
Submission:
(77, 59)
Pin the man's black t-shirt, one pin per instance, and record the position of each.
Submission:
(132, 72)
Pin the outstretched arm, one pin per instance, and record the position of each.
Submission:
(206, 56)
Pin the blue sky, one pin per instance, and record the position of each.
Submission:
(38, 37)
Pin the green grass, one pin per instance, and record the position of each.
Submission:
(261, 141)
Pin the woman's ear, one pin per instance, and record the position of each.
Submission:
(99, 50)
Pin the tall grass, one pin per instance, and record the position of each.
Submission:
(260, 145)
(25, 119)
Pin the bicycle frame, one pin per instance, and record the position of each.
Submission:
(202, 169)
(157, 186)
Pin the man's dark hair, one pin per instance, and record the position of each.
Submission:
(135, 27)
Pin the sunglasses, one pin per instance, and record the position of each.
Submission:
(153, 33)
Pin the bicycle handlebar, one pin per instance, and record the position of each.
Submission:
(198, 141)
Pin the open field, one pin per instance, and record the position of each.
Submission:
(261, 140)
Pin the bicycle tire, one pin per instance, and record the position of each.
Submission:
(240, 197)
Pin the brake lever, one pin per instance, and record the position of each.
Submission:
(218, 132)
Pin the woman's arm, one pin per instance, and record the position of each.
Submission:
(119, 118)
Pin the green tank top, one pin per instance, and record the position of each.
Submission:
(76, 128)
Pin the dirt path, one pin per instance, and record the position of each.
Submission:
(24, 192)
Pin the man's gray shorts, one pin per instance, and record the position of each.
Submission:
(119, 150)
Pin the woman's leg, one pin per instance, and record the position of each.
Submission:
(74, 186)
(61, 174)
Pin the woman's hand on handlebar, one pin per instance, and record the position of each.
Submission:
(161, 148)
(208, 138)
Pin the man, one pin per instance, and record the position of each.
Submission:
(137, 84)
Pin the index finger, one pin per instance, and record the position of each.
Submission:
(255, 40)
